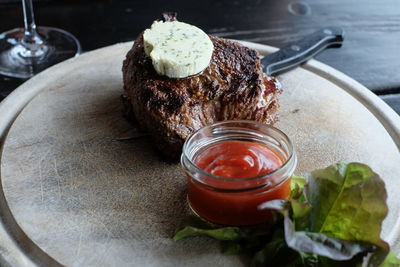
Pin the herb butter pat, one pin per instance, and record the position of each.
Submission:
(177, 49)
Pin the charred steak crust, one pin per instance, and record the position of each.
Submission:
(232, 87)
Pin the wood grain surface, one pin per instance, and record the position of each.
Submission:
(89, 200)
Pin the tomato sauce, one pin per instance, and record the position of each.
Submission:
(235, 201)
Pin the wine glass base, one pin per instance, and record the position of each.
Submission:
(16, 61)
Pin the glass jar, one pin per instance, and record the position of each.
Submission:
(235, 201)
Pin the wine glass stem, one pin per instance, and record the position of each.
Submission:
(31, 39)
(29, 18)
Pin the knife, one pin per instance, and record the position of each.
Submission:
(299, 52)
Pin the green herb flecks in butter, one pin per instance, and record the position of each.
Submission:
(177, 49)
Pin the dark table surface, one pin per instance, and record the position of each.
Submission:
(370, 54)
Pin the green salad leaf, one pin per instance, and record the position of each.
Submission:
(320, 244)
(348, 202)
(333, 218)
(297, 184)
(314, 242)
(225, 233)
(390, 261)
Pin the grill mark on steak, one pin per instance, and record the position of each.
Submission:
(233, 86)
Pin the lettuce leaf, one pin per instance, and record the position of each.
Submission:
(348, 202)
(313, 242)
(320, 244)
(390, 261)
(297, 184)
(225, 233)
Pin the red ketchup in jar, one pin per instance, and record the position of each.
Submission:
(229, 179)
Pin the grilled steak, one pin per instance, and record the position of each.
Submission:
(232, 87)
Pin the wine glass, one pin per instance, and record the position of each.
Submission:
(26, 52)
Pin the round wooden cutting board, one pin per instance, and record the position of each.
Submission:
(73, 195)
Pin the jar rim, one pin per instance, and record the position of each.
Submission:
(186, 159)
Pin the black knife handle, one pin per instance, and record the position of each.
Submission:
(299, 52)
